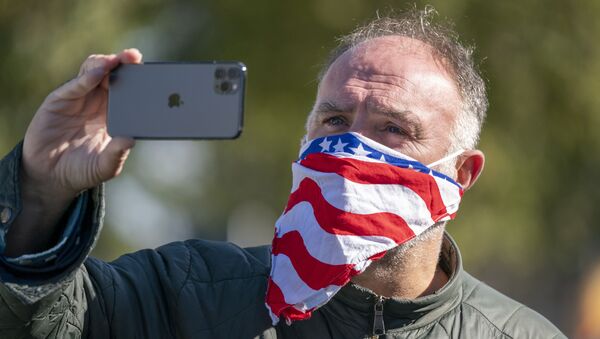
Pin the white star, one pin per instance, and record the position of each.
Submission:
(339, 147)
(325, 145)
(360, 151)
(382, 158)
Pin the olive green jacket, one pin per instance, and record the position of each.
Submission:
(204, 289)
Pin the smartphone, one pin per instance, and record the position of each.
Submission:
(157, 100)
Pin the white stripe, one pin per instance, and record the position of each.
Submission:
(296, 165)
(344, 155)
(449, 193)
(326, 247)
(295, 291)
(358, 198)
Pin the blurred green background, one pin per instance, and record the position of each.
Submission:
(528, 227)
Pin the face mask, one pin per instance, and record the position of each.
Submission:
(352, 200)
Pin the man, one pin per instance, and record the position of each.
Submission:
(402, 88)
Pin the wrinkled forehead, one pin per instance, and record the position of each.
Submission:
(402, 59)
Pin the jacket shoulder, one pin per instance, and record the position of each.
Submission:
(196, 288)
(182, 261)
(508, 316)
(214, 261)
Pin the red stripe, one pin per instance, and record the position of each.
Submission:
(365, 172)
(377, 256)
(293, 314)
(275, 298)
(336, 221)
(314, 273)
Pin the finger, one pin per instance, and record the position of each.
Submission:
(80, 86)
(96, 61)
(127, 56)
(94, 70)
(91, 73)
(109, 62)
(130, 56)
(113, 157)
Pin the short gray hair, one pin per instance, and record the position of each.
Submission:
(417, 24)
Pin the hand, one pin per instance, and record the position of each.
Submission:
(67, 148)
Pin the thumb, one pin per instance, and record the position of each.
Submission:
(113, 157)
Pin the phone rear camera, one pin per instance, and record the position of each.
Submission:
(233, 73)
(225, 86)
(220, 73)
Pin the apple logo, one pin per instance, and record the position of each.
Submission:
(175, 100)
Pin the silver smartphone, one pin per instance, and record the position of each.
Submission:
(202, 100)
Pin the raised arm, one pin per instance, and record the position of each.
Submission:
(45, 233)
(66, 150)
(196, 289)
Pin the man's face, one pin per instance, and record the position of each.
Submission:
(392, 90)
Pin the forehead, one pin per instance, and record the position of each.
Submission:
(402, 66)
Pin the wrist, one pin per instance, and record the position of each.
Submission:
(36, 226)
(43, 195)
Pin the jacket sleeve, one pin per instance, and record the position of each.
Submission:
(41, 294)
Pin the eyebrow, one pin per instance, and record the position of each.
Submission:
(328, 106)
(406, 118)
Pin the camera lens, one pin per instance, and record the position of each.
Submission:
(225, 86)
(233, 73)
(220, 73)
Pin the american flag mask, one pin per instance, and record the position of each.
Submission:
(352, 200)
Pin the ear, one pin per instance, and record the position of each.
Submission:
(469, 167)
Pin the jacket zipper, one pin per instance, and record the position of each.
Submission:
(378, 324)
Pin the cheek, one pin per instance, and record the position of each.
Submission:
(317, 133)
(441, 135)
(314, 129)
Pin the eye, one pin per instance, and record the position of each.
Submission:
(335, 121)
(395, 129)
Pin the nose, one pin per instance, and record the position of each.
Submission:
(363, 126)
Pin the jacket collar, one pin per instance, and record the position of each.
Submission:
(403, 312)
